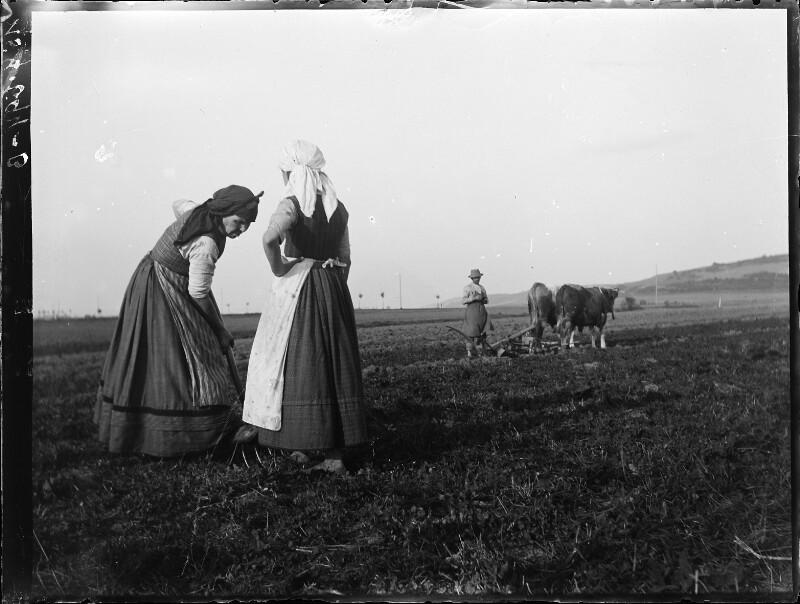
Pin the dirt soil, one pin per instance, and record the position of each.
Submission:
(660, 464)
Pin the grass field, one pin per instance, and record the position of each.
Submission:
(660, 465)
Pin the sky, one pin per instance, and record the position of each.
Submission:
(551, 145)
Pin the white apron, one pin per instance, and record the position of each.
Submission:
(264, 390)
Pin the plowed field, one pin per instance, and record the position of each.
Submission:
(660, 464)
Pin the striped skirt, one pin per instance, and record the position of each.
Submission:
(164, 390)
(323, 400)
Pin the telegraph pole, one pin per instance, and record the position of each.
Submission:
(656, 285)
(400, 286)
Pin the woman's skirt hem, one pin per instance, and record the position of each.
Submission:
(161, 432)
(318, 425)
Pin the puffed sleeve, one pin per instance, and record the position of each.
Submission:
(181, 206)
(202, 254)
(282, 219)
(466, 294)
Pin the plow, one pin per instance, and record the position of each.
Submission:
(518, 343)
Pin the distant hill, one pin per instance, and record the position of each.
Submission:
(767, 273)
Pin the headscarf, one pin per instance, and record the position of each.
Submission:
(304, 162)
(205, 218)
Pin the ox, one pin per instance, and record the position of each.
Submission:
(541, 308)
(580, 307)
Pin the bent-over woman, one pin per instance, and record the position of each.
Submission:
(304, 389)
(165, 389)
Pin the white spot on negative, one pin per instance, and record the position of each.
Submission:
(105, 152)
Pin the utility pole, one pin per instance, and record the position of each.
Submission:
(400, 287)
(656, 285)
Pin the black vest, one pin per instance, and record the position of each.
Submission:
(316, 237)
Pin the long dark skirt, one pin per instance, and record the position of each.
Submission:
(323, 400)
(162, 393)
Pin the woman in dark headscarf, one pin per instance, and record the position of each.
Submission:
(165, 389)
(304, 389)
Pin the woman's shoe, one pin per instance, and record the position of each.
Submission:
(334, 466)
(245, 434)
(300, 457)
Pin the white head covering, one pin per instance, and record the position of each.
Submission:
(304, 162)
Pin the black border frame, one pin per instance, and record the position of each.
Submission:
(16, 239)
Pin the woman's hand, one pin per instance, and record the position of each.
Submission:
(211, 314)
(272, 249)
(283, 266)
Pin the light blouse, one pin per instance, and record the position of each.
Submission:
(474, 292)
(202, 254)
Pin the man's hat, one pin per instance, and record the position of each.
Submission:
(475, 273)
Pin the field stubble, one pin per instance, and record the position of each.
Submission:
(658, 465)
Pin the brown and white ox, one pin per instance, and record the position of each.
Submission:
(542, 309)
(580, 307)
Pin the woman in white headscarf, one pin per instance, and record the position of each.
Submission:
(304, 390)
